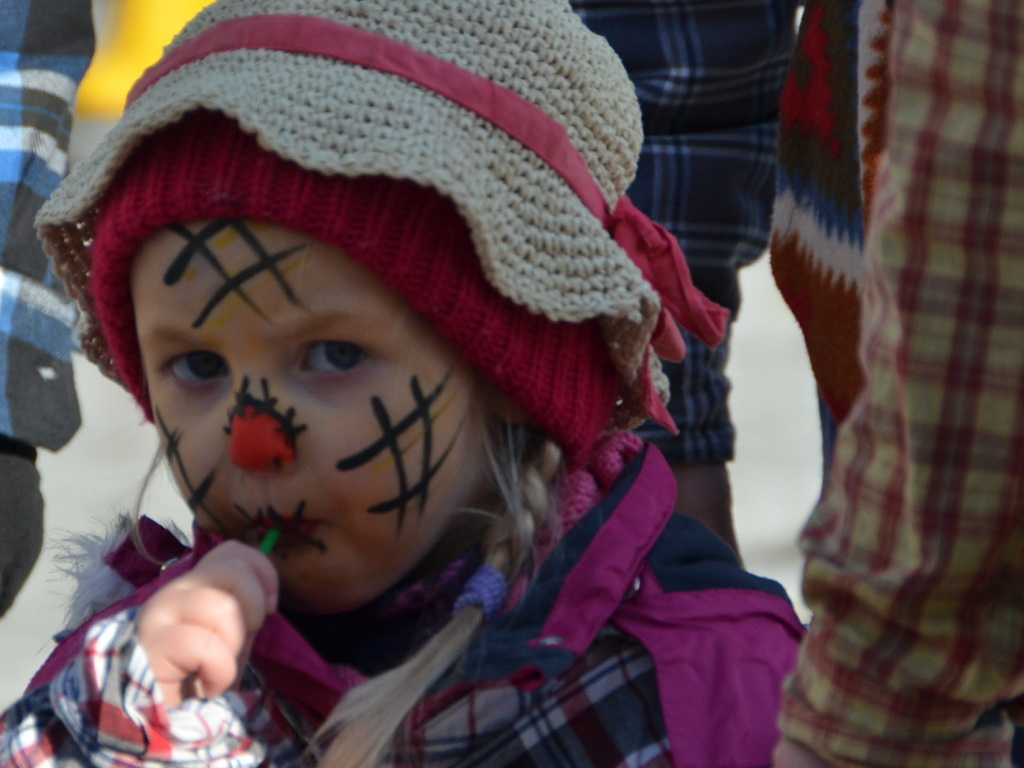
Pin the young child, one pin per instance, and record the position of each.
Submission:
(369, 268)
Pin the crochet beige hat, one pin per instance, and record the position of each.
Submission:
(519, 115)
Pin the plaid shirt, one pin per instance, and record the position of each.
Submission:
(106, 711)
(708, 76)
(916, 653)
(109, 703)
(639, 643)
(41, 65)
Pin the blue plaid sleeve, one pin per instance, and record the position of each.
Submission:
(45, 48)
(709, 76)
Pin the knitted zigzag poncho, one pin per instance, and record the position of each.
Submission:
(832, 121)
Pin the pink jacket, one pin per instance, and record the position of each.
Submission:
(697, 647)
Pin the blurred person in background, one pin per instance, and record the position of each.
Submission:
(915, 654)
(46, 48)
(709, 82)
(41, 66)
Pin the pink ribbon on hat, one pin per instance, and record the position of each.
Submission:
(649, 245)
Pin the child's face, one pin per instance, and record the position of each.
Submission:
(295, 391)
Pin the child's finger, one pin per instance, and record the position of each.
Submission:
(188, 654)
(239, 575)
(226, 596)
(231, 613)
(237, 565)
(194, 632)
(232, 581)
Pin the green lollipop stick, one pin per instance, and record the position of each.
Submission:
(270, 541)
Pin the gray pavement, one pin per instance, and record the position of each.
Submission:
(775, 477)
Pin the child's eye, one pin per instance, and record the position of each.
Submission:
(196, 367)
(332, 356)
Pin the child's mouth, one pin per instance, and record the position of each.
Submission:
(275, 533)
(279, 537)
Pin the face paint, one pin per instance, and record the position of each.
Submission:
(262, 438)
(200, 243)
(389, 441)
(370, 381)
(291, 530)
(195, 494)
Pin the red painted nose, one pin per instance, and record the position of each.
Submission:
(259, 442)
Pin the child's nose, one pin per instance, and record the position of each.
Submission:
(259, 442)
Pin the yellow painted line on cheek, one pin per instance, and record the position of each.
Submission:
(384, 463)
(387, 461)
(226, 237)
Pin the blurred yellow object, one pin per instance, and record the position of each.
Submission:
(133, 38)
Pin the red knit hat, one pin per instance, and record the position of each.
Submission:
(411, 237)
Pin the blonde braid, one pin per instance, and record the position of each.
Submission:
(368, 722)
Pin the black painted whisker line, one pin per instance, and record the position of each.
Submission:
(416, 439)
(428, 423)
(240, 395)
(246, 516)
(389, 441)
(398, 502)
(172, 451)
(290, 527)
(273, 516)
(233, 285)
(443, 406)
(295, 429)
(373, 450)
(246, 233)
(199, 243)
(422, 413)
(195, 243)
(276, 518)
(300, 510)
(267, 405)
(196, 494)
(391, 435)
(286, 419)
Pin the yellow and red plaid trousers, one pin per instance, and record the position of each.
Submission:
(915, 554)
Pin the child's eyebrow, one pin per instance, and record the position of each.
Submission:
(166, 332)
(358, 324)
(330, 322)
(351, 317)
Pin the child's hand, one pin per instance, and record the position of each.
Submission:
(198, 629)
